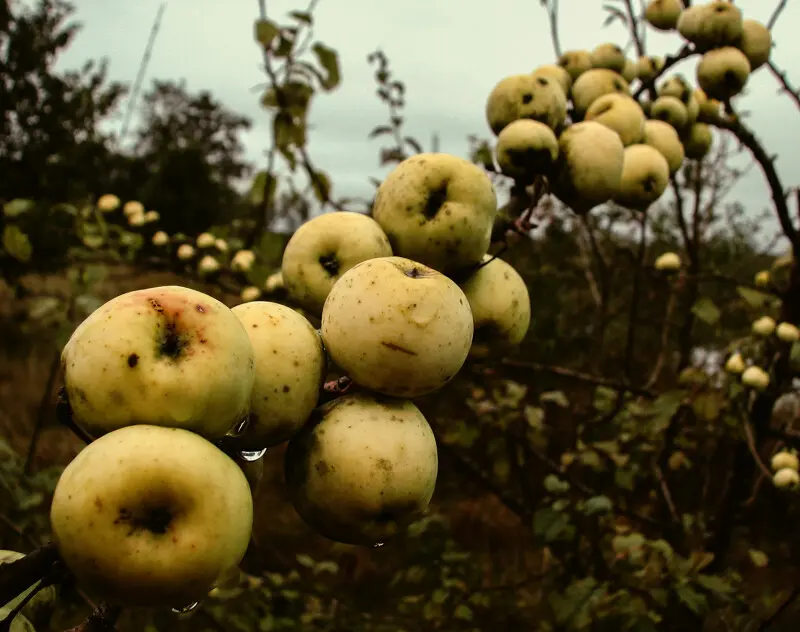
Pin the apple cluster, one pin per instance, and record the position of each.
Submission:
(585, 124)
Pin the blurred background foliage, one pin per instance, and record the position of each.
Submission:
(592, 480)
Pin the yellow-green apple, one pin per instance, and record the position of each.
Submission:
(711, 25)
(665, 139)
(166, 356)
(323, 249)
(670, 110)
(697, 141)
(151, 516)
(648, 66)
(755, 43)
(723, 72)
(290, 370)
(363, 468)
(620, 113)
(663, 14)
(645, 176)
(556, 73)
(397, 326)
(608, 55)
(593, 84)
(576, 62)
(526, 149)
(437, 209)
(526, 96)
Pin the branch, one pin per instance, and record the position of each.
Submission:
(634, 28)
(773, 20)
(552, 14)
(780, 75)
(665, 331)
(16, 577)
(751, 444)
(669, 61)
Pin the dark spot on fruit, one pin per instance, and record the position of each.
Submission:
(172, 343)
(154, 519)
(133, 360)
(649, 185)
(156, 306)
(98, 502)
(286, 388)
(396, 347)
(542, 81)
(436, 199)
(527, 98)
(200, 308)
(323, 468)
(330, 264)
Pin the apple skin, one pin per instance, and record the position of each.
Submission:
(437, 209)
(500, 304)
(290, 371)
(323, 249)
(151, 516)
(363, 468)
(397, 327)
(167, 356)
(20, 622)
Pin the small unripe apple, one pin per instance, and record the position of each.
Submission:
(250, 293)
(762, 279)
(755, 43)
(274, 282)
(133, 207)
(648, 66)
(668, 262)
(290, 369)
(362, 468)
(785, 460)
(620, 113)
(208, 264)
(589, 167)
(593, 84)
(629, 71)
(397, 327)
(137, 219)
(556, 73)
(697, 140)
(185, 252)
(723, 72)
(608, 55)
(708, 109)
(168, 356)
(670, 110)
(108, 203)
(500, 304)
(787, 478)
(526, 149)
(151, 216)
(787, 332)
(243, 260)
(665, 139)
(151, 516)
(160, 238)
(663, 14)
(764, 326)
(676, 86)
(221, 245)
(735, 364)
(205, 240)
(324, 248)
(645, 176)
(526, 96)
(576, 62)
(756, 378)
(711, 25)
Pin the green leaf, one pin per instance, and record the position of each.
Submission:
(302, 16)
(263, 189)
(556, 397)
(754, 298)
(305, 560)
(265, 32)
(555, 485)
(598, 505)
(329, 60)
(715, 584)
(695, 601)
(604, 399)
(18, 207)
(463, 612)
(322, 186)
(759, 558)
(550, 524)
(17, 243)
(706, 310)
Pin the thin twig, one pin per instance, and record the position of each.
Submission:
(44, 412)
(751, 444)
(773, 20)
(665, 331)
(783, 79)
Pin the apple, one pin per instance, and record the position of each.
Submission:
(168, 356)
(205, 240)
(735, 364)
(363, 468)
(663, 137)
(711, 25)
(526, 96)
(663, 14)
(697, 141)
(160, 238)
(151, 516)
(648, 67)
(133, 207)
(556, 73)
(185, 252)
(19, 624)
(645, 176)
(250, 293)
(630, 70)
(755, 43)
(438, 210)
(764, 326)
(221, 245)
(108, 203)
(500, 304)
(323, 249)
(784, 460)
(243, 260)
(723, 72)
(668, 262)
(576, 62)
(762, 279)
(787, 332)
(274, 282)
(526, 149)
(608, 55)
(593, 84)
(756, 378)
(620, 113)
(151, 216)
(786, 478)
(589, 167)
(290, 370)
(670, 110)
(397, 327)
(208, 264)
(137, 219)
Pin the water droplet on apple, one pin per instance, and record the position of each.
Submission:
(186, 609)
(252, 455)
(239, 429)
(378, 545)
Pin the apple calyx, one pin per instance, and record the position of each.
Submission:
(436, 200)
(330, 264)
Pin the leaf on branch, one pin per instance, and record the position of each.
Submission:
(716, 585)
(262, 191)
(380, 130)
(706, 310)
(18, 207)
(754, 298)
(550, 524)
(329, 60)
(285, 44)
(554, 397)
(302, 16)
(17, 243)
(597, 505)
(266, 31)
(695, 601)
(322, 186)
(758, 558)
(412, 142)
(614, 14)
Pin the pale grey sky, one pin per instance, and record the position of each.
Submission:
(449, 53)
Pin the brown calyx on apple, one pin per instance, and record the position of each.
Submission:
(436, 200)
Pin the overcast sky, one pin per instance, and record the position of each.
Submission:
(449, 53)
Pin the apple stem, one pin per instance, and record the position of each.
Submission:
(16, 577)
(103, 619)
(338, 387)
(64, 417)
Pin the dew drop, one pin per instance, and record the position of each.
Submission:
(252, 456)
(186, 609)
(378, 545)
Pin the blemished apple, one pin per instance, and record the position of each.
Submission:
(437, 209)
(166, 356)
(648, 67)
(363, 468)
(526, 96)
(526, 149)
(324, 248)
(711, 25)
(608, 55)
(621, 113)
(665, 139)
(397, 327)
(593, 84)
(290, 370)
(645, 176)
(755, 43)
(723, 72)
(576, 62)
(151, 516)
(500, 304)
(670, 110)
(556, 73)
(663, 14)
(589, 167)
